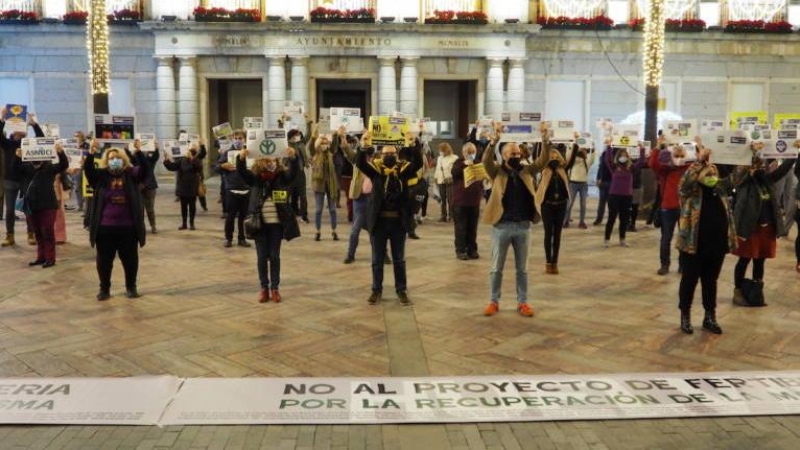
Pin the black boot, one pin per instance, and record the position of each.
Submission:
(710, 323)
(686, 321)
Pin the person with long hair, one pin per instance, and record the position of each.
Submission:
(620, 191)
(270, 199)
(116, 225)
(189, 170)
(669, 167)
(552, 196)
(324, 181)
(443, 175)
(579, 183)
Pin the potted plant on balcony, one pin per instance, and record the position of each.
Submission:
(225, 15)
(17, 17)
(246, 15)
(600, 22)
(676, 25)
(125, 17)
(76, 18)
(330, 15)
(458, 17)
(757, 26)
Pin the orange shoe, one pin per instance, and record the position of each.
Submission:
(264, 296)
(524, 310)
(491, 309)
(276, 296)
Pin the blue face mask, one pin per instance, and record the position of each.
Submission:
(237, 145)
(115, 164)
(471, 156)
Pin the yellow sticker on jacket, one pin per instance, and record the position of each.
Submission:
(280, 196)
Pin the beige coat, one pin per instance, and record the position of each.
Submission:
(494, 207)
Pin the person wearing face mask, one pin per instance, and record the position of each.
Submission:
(298, 142)
(117, 218)
(443, 176)
(706, 234)
(510, 210)
(620, 191)
(237, 197)
(578, 184)
(360, 190)
(12, 181)
(270, 199)
(324, 181)
(188, 182)
(41, 201)
(466, 202)
(669, 167)
(389, 214)
(552, 197)
(757, 213)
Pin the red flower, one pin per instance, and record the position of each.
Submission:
(16, 14)
(76, 16)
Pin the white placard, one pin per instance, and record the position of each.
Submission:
(563, 130)
(175, 148)
(191, 138)
(267, 143)
(147, 142)
(39, 149)
(677, 131)
(708, 126)
(222, 130)
(520, 132)
(16, 119)
(233, 155)
(253, 123)
(324, 114)
(585, 140)
(729, 147)
(789, 134)
(626, 135)
(229, 401)
(350, 118)
(778, 149)
(51, 130)
(485, 128)
(73, 151)
(86, 401)
(518, 117)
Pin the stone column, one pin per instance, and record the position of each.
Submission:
(188, 105)
(387, 86)
(408, 86)
(494, 88)
(277, 89)
(165, 98)
(516, 86)
(300, 79)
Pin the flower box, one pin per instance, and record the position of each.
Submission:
(226, 15)
(575, 23)
(329, 15)
(674, 25)
(17, 17)
(458, 17)
(757, 26)
(76, 18)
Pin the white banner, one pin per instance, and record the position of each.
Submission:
(39, 149)
(267, 143)
(678, 131)
(483, 399)
(729, 147)
(86, 401)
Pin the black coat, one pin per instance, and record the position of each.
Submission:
(151, 183)
(9, 148)
(40, 194)
(188, 181)
(261, 189)
(101, 178)
(405, 172)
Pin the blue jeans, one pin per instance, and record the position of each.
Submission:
(319, 198)
(359, 218)
(669, 218)
(389, 230)
(268, 253)
(516, 234)
(576, 189)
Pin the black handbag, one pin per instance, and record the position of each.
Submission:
(66, 182)
(252, 225)
(753, 292)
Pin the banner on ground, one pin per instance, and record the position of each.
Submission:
(729, 147)
(111, 127)
(388, 130)
(677, 131)
(39, 149)
(16, 119)
(482, 399)
(267, 143)
(86, 401)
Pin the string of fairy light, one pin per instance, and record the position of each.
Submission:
(97, 46)
(653, 59)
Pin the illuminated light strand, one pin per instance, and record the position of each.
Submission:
(653, 58)
(755, 9)
(573, 8)
(97, 46)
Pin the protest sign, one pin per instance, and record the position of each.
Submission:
(267, 143)
(147, 142)
(387, 130)
(16, 119)
(729, 147)
(708, 126)
(233, 155)
(517, 117)
(778, 149)
(520, 132)
(222, 130)
(350, 118)
(175, 148)
(781, 119)
(473, 173)
(626, 135)
(73, 151)
(253, 123)
(677, 131)
(39, 149)
(51, 130)
(741, 117)
(485, 129)
(111, 127)
(563, 130)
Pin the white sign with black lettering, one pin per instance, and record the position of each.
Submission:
(39, 149)
(253, 123)
(147, 142)
(729, 147)
(73, 151)
(175, 148)
(712, 126)
(778, 149)
(350, 118)
(680, 131)
(626, 135)
(267, 143)
(563, 130)
(86, 401)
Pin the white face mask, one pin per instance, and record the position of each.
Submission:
(678, 161)
(622, 159)
(471, 156)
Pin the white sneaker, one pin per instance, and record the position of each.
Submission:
(624, 244)
(605, 243)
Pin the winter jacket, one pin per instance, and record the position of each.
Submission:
(40, 194)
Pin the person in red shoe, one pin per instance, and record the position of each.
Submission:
(510, 210)
(270, 199)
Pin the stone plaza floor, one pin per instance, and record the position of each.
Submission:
(607, 312)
